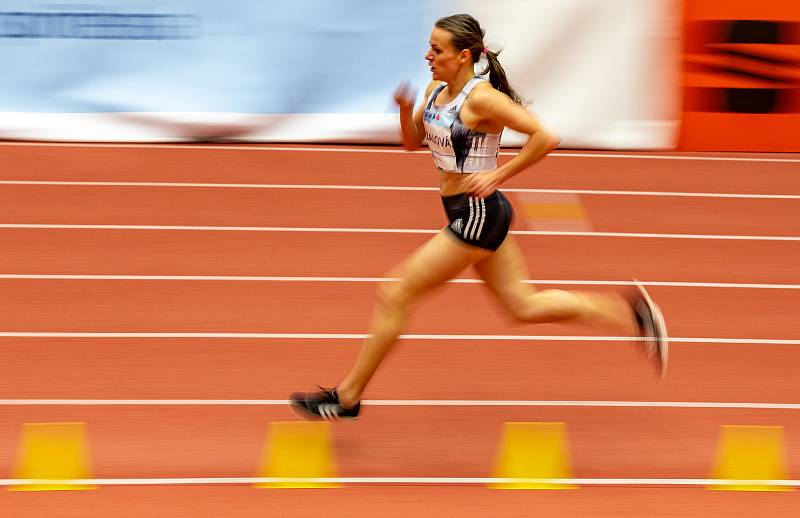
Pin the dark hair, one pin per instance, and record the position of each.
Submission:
(468, 34)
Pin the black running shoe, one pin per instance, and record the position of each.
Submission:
(651, 325)
(322, 405)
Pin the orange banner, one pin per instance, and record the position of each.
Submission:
(741, 75)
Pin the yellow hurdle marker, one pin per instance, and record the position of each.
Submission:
(533, 451)
(298, 449)
(750, 453)
(52, 452)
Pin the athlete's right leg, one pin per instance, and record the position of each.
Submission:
(430, 266)
(436, 262)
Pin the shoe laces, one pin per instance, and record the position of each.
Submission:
(329, 393)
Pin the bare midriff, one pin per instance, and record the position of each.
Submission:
(451, 184)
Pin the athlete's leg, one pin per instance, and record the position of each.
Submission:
(504, 273)
(437, 261)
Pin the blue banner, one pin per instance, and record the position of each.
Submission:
(235, 56)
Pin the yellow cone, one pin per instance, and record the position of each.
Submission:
(298, 450)
(533, 451)
(751, 453)
(52, 451)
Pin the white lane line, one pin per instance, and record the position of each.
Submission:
(257, 278)
(227, 185)
(343, 230)
(406, 403)
(221, 228)
(401, 480)
(318, 149)
(395, 188)
(361, 336)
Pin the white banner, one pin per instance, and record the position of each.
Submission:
(600, 73)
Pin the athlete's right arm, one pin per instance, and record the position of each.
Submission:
(412, 130)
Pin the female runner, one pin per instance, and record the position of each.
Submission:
(462, 118)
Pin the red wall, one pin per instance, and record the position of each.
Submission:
(741, 75)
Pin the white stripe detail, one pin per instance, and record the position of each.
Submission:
(397, 188)
(409, 403)
(347, 230)
(473, 202)
(479, 221)
(362, 336)
(402, 480)
(466, 231)
(257, 278)
(483, 219)
(329, 411)
(256, 148)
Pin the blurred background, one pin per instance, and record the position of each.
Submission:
(159, 302)
(611, 74)
(603, 73)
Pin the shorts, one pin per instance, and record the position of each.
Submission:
(481, 222)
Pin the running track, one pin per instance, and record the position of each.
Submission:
(232, 275)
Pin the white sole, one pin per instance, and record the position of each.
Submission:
(662, 344)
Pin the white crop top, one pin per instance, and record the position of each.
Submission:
(456, 148)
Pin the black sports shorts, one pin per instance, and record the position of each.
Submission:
(481, 222)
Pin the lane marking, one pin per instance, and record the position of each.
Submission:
(343, 230)
(362, 336)
(396, 188)
(406, 403)
(222, 185)
(235, 147)
(257, 278)
(402, 480)
(220, 228)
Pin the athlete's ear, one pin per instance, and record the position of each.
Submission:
(463, 56)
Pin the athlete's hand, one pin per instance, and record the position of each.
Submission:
(483, 184)
(405, 95)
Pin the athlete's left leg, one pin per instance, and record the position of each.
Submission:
(504, 273)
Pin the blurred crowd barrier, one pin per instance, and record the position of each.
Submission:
(604, 74)
(601, 73)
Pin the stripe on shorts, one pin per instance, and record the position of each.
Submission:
(465, 233)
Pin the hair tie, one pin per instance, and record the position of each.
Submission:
(485, 50)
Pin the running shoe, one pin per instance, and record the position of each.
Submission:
(651, 326)
(322, 405)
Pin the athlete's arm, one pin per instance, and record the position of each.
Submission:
(496, 108)
(412, 130)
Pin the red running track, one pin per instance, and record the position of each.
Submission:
(417, 441)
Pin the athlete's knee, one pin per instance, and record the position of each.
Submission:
(544, 306)
(519, 303)
(392, 296)
(523, 310)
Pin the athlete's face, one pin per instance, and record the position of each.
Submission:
(444, 59)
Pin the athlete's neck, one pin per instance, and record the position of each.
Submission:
(461, 79)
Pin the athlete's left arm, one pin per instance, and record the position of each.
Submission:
(496, 108)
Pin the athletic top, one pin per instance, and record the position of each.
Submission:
(456, 148)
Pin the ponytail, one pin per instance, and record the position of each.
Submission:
(498, 78)
(467, 33)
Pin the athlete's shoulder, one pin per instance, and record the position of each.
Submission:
(484, 97)
(431, 87)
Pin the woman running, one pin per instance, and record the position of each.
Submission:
(462, 118)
